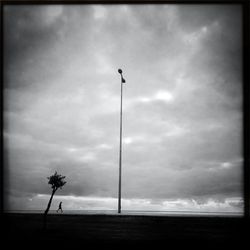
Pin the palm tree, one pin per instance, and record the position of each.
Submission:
(56, 181)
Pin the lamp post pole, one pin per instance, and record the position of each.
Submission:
(120, 153)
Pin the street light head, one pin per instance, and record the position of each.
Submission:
(119, 71)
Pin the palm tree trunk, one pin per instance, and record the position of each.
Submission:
(47, 209)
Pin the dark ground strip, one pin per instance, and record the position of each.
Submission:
(127, 228)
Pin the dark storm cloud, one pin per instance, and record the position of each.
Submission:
(222, 45)
(25, 35)
(32, 35)
(194, 182)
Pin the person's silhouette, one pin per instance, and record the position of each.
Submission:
(59, 207)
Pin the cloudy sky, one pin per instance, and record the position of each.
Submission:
(182, 125)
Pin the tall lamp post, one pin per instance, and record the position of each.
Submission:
(120, 155)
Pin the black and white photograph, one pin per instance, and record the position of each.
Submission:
(123, 115)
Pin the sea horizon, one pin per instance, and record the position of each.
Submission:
(130, 212)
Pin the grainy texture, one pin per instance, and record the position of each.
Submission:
(110, 228)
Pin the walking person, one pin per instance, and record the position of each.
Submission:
(59, 207)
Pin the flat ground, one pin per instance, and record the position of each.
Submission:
(62, 227)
